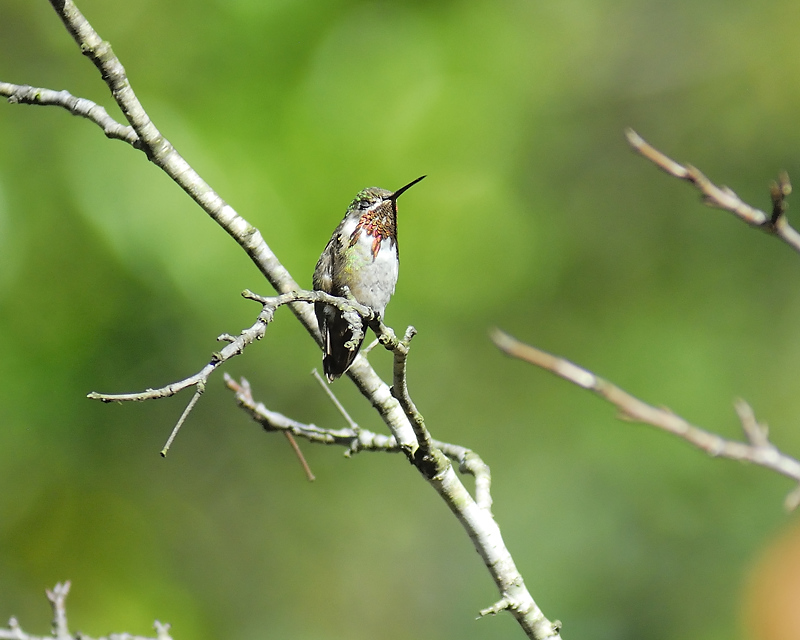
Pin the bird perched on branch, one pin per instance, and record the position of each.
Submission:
(361, 257)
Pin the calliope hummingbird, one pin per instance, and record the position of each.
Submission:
(361, 255)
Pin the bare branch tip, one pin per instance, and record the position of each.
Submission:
(742, 407)
(792, 500)
(61, 590)
(634, 139)
(249, 295)
(497, 607)
(501, 339)
(242, 387)
(162, 630)
(785, 183)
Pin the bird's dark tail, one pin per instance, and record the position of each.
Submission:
(336, 333)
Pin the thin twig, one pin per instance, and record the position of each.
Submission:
(303, 463)
(243, 388)
(759, 451)
(236, 345)
(365, 350)
(57, 597)
(400, 348)
(332, 397)
(353, 441)
(357, 439)
(200, 387)
(26, 94)
(754, 431)
(497, 607)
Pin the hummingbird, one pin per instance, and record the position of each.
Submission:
(361, 255)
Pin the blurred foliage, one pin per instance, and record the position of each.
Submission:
(535, 217)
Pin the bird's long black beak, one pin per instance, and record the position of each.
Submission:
(400, 191)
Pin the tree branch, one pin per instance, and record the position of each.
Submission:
(237, 346)
(723, 197)
(757, 450)
(401, 416)
(26, 94)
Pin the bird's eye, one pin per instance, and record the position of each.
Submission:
(364, 204)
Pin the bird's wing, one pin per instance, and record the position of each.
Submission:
(323, 274)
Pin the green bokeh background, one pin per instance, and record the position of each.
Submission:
(535, 217)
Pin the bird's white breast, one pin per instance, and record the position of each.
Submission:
(371, 278)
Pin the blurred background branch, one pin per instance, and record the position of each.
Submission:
(724, 197)
(758, 450)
